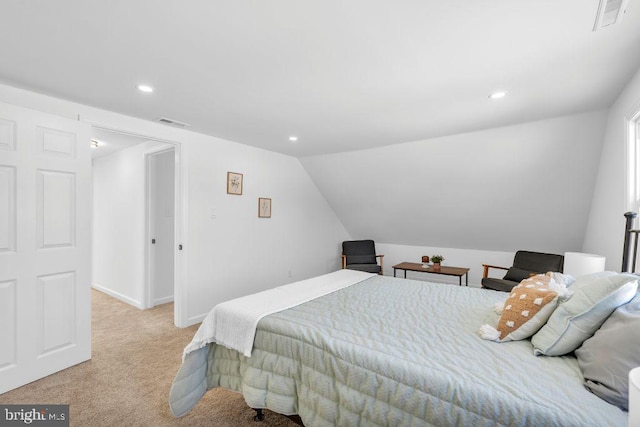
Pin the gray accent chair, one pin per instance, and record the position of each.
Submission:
(361, 255)
(525, 264)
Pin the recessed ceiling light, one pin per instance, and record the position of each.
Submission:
(498, 95)
(293, 138)
(95, 143)
(145, 88)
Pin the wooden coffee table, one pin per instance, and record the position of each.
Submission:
(447, 271)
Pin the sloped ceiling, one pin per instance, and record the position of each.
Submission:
(526, 186)
(340, 75)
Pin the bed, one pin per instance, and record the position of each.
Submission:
(391, 351)
(630, 247)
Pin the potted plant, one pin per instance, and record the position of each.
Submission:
(436, 260)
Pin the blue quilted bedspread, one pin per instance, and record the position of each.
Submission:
(395, 352)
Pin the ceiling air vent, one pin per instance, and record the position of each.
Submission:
(171, 122)
(609, 13)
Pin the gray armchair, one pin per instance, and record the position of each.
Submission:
(525, 264)
(361, 255)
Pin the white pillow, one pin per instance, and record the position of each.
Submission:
(595, 297)
(563, 279)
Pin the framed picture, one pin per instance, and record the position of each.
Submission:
(234, 183)
(264, 208)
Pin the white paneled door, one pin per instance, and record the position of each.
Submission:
(45, 232)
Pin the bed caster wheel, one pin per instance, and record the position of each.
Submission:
(259, 415)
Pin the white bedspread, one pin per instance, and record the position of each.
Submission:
(233, 323)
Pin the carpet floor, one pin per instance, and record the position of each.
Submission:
(135, 356)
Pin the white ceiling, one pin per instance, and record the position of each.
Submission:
(339, 74)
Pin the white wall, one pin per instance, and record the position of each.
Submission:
(475, 197)
(605, 232)
(235, 253)
(231, 251)
(119, 224)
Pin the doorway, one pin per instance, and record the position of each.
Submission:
(137, 193)
(160, 209)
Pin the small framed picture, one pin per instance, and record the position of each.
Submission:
(234, 183)
(264, 208)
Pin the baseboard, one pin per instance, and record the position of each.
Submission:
(118, 295)
(163, 300)
(196, 319)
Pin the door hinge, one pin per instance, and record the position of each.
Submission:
(179, 247)
(153, 241)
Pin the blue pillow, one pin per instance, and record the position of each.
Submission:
(594, 298)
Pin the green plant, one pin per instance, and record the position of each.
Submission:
(436, 259)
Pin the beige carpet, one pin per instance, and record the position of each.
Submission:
(136, 354)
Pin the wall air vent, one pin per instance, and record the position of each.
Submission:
(171, 122)
(609, 13)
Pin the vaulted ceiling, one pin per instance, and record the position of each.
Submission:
(339, 75)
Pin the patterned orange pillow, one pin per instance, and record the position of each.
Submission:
(527, 308)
